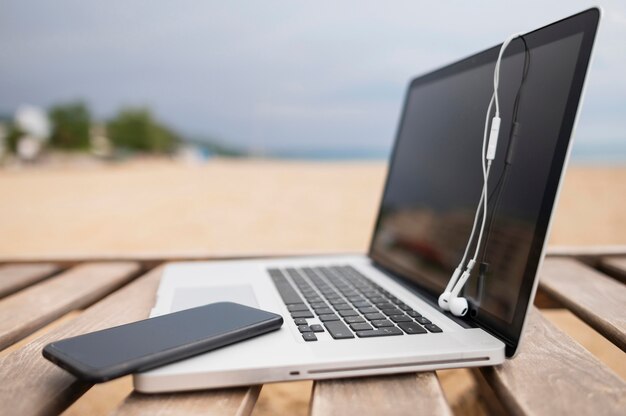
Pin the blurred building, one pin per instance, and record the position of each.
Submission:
(34, 127)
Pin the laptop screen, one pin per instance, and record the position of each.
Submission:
(435, 176)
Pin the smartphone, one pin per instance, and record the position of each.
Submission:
(104, 355)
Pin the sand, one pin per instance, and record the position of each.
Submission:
(161, 208)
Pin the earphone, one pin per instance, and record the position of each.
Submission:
(450, 299)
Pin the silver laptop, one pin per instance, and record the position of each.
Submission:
(377, 313)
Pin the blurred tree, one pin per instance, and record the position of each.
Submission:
(12, 137)
(70, 126)
(136, 129)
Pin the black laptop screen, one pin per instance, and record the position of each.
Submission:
(435, 177)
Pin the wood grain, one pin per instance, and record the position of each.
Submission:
(15, 277)
(406, 394)
(32, 308)
(614, 266)
(236, 401)
(554, 375)
(50, 389)
(594, 297)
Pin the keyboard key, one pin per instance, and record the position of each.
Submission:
(285, 290)
(324, 311)
(433, 328)
(302, 314)
(334, 294)
(317, 328)
(360, 327)
(392, 311)
(338, 330)
(329, 317)
(353, 319)
(382, 332)
(374, 316)
(295, 307)
(382, 323)
(411, 328)
(400, 318)
(309, 336)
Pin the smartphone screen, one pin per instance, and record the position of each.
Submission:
(114, 352)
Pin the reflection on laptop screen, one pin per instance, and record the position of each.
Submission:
(435, 178)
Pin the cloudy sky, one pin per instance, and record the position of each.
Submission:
(279, 74)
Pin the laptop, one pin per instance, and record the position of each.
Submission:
(377, 313)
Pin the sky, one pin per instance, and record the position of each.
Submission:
(275, 75)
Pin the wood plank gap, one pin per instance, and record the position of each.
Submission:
(594, 297)
(15, 277)
(614, 267)
(553, 374)
(233, 401)
(30, 309)
(50, 389)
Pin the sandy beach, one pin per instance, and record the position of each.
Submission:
(241, 207)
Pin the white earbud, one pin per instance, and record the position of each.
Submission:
(444, 301)
(445, 296)
(449, 299)
(458, 306)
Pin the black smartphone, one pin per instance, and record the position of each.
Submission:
(110, 353)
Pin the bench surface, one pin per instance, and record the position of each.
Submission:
(552, 374)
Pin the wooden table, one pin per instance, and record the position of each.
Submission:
(553, 374)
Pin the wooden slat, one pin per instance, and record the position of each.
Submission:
(49, 389)
(615, 266)
(406, 394)
(594, 297)
(28, 310)
(15, 277)
(238, 401)
(554, 375)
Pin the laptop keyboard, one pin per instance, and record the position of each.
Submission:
(346, 302)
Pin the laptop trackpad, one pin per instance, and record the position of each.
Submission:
(192, 296)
